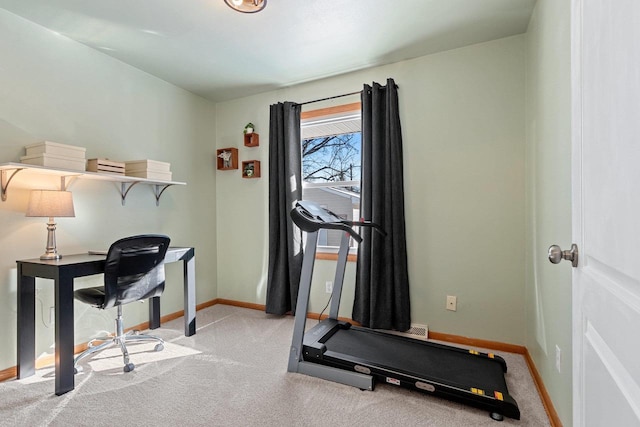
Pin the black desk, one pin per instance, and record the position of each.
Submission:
(63, 272)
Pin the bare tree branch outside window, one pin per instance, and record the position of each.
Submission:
(332, 158)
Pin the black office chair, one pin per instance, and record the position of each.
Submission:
(134, 271)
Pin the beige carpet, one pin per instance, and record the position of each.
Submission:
(233, 373)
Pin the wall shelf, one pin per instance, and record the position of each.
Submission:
(251, 139)
(231, 163)
(251, 169)
(9, 170)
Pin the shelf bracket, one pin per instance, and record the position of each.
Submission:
(5, 181)
(66, 181)
(124, 190)
(158, 192)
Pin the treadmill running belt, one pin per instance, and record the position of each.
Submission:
(417, 358)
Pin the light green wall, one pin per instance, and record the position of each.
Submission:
(464, 126)
(462, 115)
(56, 89)
(548, 286)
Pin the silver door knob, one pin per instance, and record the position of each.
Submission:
(556, 254)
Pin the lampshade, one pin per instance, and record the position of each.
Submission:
(50, 203)
(246, 6)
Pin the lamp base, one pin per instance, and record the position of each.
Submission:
(50, 256)
(51, 253)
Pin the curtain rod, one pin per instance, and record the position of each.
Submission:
(331, 97)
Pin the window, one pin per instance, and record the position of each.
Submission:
(331, 165)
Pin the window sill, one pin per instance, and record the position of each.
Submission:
(329, 256)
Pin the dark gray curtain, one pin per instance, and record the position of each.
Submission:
(285, 188)
(382, 278)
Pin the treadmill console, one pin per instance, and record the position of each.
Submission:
(310, 217)
(319, 213)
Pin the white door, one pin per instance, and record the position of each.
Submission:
(606, 211)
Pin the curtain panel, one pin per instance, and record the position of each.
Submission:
(382, 278)
(285, 189)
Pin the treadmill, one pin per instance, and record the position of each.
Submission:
(335, 350)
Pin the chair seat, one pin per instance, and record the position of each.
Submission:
(92, 296)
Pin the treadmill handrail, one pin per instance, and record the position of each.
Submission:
(369, 224)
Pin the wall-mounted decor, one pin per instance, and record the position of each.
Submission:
(251, 169)
(251, 139)
(227, 159)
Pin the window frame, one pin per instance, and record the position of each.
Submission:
(331, 252)
(337, 109)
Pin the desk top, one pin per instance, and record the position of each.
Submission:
(65, 260)
(174, 253)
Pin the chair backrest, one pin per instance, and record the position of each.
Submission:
(134, 269)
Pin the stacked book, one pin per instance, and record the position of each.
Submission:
(105, 166)
(150, 169)
(55, 155)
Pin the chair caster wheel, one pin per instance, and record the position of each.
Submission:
(129, 367)
(496, 416)
(158, 347)
(77, 369)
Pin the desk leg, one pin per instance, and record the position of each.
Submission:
(64, 333)
(190, 293)
(26, 324)
(154, 313)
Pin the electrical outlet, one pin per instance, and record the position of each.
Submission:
(328, 286)
(558, 359)
(52, 315)
(452, 303)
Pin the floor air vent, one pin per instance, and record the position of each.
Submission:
(417, 331)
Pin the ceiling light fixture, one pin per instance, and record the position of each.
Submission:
(246, 6)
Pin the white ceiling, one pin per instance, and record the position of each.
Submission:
(205, 47)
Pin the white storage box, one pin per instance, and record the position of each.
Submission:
(146, 165)
(105, 166)
(53, 161)
(160, 176)
(56, 149)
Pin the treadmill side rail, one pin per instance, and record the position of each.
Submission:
(354, 379)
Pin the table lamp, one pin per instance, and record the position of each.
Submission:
(50, 203)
